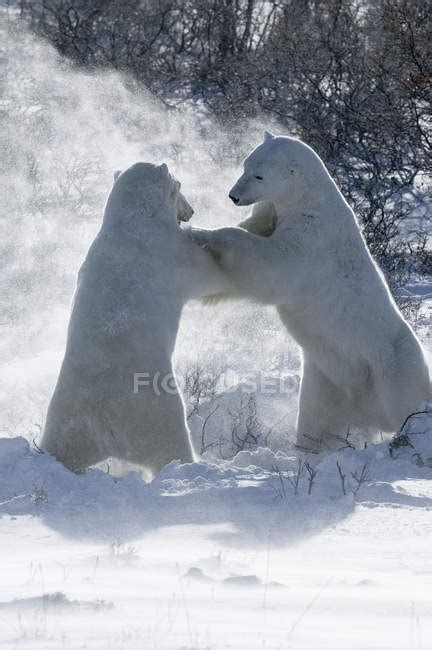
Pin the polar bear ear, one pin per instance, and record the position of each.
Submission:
(268, 136)
(164, 169)
(117, 174)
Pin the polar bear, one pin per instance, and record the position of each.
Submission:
(116, 394)
(363, 366)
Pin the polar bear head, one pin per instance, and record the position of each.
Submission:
(281, 169)
(145, 191)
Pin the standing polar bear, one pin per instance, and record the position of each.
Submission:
(362, 364)
(116, 393)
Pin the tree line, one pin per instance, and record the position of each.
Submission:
(350, 77)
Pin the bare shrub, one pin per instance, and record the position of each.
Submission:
(247, 430)
(342, 477)
(360, 478)
(200, 383)
(312, 472)
(293, 477)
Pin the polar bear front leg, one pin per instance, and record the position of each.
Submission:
(252, 263)
(262, 221)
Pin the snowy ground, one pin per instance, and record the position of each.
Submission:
(235, 555)
(209, 556)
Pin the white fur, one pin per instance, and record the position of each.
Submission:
(362, 364)
(139, 272)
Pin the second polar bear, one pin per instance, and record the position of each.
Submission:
(116, 394)
(362, 364)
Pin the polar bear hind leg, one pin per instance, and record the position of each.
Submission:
(322, 421)
(405, 384)
(76, 446)
(156, 431)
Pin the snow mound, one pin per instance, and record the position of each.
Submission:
(57, 601)
(255, 492)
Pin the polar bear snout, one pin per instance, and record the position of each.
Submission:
(184, 209)
(243, 192)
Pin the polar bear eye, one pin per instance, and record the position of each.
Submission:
(259, 178)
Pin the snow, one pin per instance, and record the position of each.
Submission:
(219, 554)
(145, 595)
